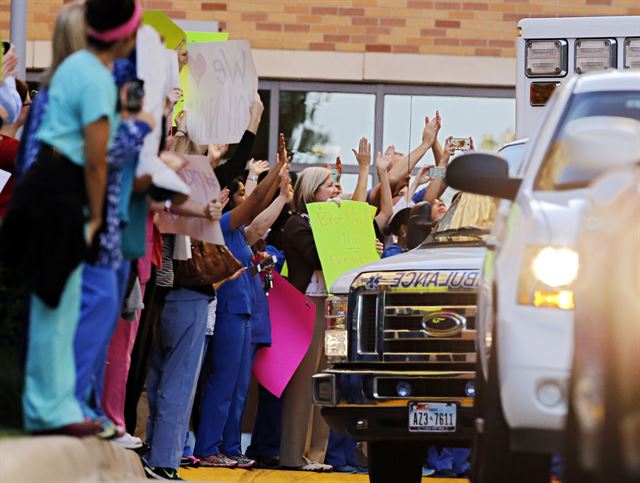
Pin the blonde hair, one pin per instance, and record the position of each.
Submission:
(184, 145)
(69, 36)
(308, 183)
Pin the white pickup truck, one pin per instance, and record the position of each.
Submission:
(525, 313)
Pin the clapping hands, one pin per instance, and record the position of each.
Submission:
(431, 129)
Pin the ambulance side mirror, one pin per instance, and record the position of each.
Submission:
(483, 174)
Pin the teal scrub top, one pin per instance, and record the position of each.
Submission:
(82, 91)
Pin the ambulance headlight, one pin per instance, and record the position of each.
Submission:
(632, 53)
(547, 276)
(595, 54)
(336, 344)
(546, 58)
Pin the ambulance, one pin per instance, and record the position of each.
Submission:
(551, 51)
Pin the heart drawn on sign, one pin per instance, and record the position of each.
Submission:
(198, 67)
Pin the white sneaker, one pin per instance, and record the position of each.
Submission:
(128, 442)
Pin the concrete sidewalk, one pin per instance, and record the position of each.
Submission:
(59, 458)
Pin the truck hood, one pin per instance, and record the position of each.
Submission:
(419, 259)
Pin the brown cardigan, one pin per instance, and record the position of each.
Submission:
(300, 251)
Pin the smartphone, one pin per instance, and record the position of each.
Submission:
(264, 264)
(134, 95)
(437, 172)
(461, 144)
(5, 47)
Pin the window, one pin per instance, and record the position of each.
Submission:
(490, 122)
(322, 125)
(557, 172)
(323, 120)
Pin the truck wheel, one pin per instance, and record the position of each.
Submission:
(493, 459)
(393, 462)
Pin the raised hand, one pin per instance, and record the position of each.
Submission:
(10, 63)
(431, 128)
(285, 185)
(363, 154)
(383, 160)
(423, 175)
(224, 197)
(256, 108)
(256, 168)
(217, 151)
(181, 121)
(283, 156)
(449, 150)
(255, 114)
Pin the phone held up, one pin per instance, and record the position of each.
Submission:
(134, 96)
(5, 47)
(437, 172)
(461, 144)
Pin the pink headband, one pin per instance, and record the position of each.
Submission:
(120, 32)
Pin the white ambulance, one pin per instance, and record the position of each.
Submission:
(550, 51)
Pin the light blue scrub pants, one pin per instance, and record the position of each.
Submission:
(175, 367)
(48, 400)
(102, 294)
(225, 383)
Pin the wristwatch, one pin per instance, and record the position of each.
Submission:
(252, 177)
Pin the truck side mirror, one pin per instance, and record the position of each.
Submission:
(483, 174)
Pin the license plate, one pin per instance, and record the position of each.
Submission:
(432, 417)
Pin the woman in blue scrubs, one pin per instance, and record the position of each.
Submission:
(227, 365)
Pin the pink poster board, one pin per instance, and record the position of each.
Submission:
(204, 186)
(292, 319)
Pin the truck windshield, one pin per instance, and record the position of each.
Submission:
(468, 220)
(557, 172)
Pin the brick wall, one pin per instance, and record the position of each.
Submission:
(481, 28)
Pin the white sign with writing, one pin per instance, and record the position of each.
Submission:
(222, 83)
(204, 186)
(152, 69)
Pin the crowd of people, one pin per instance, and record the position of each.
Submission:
(108, 310)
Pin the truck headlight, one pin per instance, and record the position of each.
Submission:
(335, 343)
(595, 54)
(556, 267)
(335, 337)
(547, 276)
(546, 58)
(632, 53)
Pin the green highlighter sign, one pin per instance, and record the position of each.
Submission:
(344, 236)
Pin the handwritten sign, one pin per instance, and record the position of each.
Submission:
(222, 83)
(152, 69)
(292, 318)
(204, 186)
(172, 34)
(203, 37)
(344, 237)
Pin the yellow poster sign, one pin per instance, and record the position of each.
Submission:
(344, 236)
